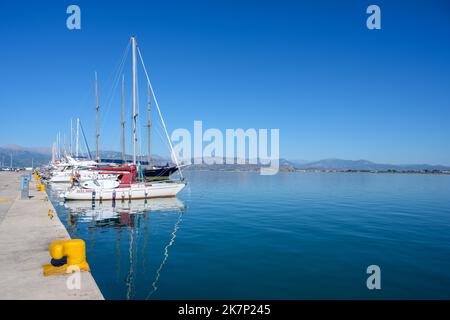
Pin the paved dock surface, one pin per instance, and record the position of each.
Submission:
(9, 184)
(26, 231)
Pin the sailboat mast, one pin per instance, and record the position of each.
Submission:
(71, 137)
(60, 145)
(57, 146)
(149, 157)
(85, 142)
(64, 149)
(77, 138)
(133, 45)
(123, 120)
(97, 107)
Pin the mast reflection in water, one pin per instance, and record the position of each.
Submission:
(128, 243)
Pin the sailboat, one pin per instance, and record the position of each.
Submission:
(150, 172)
(134, 189)
(66, 167)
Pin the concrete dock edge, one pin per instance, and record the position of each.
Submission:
(26, 229)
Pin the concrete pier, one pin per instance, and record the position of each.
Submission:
(26, 231)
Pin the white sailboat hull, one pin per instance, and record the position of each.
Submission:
(136, 191)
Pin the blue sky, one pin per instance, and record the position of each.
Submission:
(311, 69)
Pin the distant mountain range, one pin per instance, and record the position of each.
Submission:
(339, 164)
(23, 157)
(326, 164)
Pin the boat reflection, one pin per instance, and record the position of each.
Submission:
(128, 225)
(116, 213)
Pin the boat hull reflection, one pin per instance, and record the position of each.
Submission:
(118, 212)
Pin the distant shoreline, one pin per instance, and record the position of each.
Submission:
(378, 171)
(284, 170)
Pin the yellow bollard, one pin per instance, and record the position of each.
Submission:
(36, 176)
(75, 252)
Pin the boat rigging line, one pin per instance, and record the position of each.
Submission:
(174, 156)
(85, 141)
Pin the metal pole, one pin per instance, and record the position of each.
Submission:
(149, 156)
(97, 135)
(123, 121)
(85, 141)
(133, 44)
(77, 138)
(71, 137)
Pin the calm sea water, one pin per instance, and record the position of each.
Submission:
(289, 236)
